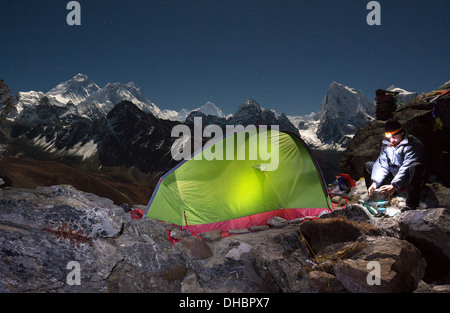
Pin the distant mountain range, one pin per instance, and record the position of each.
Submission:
(342, 111)
(92, 128)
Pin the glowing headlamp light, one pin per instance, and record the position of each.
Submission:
(390, 134)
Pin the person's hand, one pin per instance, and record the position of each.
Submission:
(371, 189)
(387, 191)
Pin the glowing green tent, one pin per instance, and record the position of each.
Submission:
(243, 179)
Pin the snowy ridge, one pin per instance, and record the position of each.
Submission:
(344, 103)
(403, 96)
(210, 108)
(27, 101)
(102, 101)
(308, 127)
(90, 101)
(342, 111)
(87, 98)
(75, 90)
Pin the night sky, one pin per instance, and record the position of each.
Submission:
(182, 53)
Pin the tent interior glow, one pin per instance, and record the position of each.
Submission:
(246, 191)
(249, 182)
(202, 192)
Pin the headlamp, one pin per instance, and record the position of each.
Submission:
(390, 134)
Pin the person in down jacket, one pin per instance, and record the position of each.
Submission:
(400, 165)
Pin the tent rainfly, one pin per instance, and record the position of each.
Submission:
(231, 184)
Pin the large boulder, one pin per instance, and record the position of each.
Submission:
(344, 249)
(365, 146)
(148, 261)
(264, 261)
(322, 281)
(429, 230)
(386, 265)
(48, 233)
(334, 231)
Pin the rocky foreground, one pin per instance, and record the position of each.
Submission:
(59, 239)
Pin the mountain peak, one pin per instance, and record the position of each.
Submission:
(343, 100)
(403, 96)
(338, 86)
(335, 83)
(133, 85)
(124, 107)
(80, 77)
(249, 108)
(209, 108)
(343, 109)
(103, 100)
(75, 90)
(252, 102)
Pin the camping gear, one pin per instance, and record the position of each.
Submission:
(202, 194)
(376, 196)
(376, 208)
(343, 185)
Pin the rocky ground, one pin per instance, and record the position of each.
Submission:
(42, 230)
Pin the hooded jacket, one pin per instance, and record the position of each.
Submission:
(396, 160)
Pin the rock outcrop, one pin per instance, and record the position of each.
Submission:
(429, 231)
(45, 233)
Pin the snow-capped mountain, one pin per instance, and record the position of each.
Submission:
(178, 116)
(300, 121)
(64, 97)
(82, 97)
(210, 108)
(101, 102)
(251, 113)
(344, 102)
(27, 104)
(403, 96)
(75, 90)
(342, 111)
(125, 136)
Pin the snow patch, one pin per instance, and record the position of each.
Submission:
(86, 150)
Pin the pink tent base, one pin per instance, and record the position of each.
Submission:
(256, 219)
